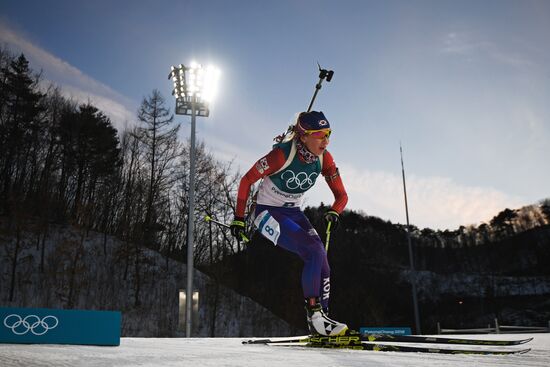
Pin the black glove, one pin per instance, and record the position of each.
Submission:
(332, 217)
(237, 228)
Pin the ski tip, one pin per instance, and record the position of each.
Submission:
(526, 340)
(523, 351)
(256, 341)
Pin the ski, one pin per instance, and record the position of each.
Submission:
(404, 348)
(355, 338)
(341, 340)
(440, 340)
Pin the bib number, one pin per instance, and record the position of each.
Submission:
(268, 226)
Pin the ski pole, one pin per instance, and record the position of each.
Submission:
(208, 218)
(323, 74)
(327, 241)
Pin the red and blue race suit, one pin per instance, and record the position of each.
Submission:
(278, 214)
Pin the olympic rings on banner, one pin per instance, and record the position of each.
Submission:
(32, 323)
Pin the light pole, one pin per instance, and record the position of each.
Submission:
(411, 258)
(194, 88)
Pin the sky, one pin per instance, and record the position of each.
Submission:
(463, 86)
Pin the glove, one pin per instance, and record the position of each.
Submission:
(237, 228)
(332, 217)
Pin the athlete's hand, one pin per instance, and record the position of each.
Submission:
(333, 218)
(237, 228)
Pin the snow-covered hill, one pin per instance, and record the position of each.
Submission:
(86, 270)
(217, 352)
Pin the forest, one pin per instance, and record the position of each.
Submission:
(63, 162)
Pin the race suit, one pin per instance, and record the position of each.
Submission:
(286, 177)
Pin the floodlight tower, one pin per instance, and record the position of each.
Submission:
(194, 89)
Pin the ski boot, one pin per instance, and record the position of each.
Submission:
(319, 323)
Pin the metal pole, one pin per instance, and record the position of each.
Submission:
(411, 261)
(317, 87)
(323, 74)
(190, 219)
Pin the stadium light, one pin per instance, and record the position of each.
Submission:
(194, 89)
(194, 84)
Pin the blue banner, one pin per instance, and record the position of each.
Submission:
(53, 326)
(385, 330)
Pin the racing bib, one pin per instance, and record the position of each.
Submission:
(268, 226)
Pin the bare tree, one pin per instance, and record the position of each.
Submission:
(159, 139)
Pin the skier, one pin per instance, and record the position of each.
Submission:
(288, 171)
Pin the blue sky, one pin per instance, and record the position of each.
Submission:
(463, 85)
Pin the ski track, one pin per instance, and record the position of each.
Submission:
(212, 352)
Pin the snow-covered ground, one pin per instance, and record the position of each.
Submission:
(230, 352)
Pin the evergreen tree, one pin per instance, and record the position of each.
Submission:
(21, 105)
(90, 152)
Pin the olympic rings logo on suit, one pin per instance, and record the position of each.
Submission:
(300, 180)
(32, 323)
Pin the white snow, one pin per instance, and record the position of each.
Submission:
(230, 352)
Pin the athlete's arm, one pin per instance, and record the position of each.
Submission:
(334, 181)
(265, 166)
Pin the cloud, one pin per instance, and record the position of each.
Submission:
(434, 202)
(457, 43)
(74, 83)
(470, 46)
(442, 203)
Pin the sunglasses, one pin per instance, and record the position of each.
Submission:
(319, 134)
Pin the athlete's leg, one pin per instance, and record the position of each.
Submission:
(319, 248)
(291, 230)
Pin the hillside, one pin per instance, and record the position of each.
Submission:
(466, 278)
(80, 273)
